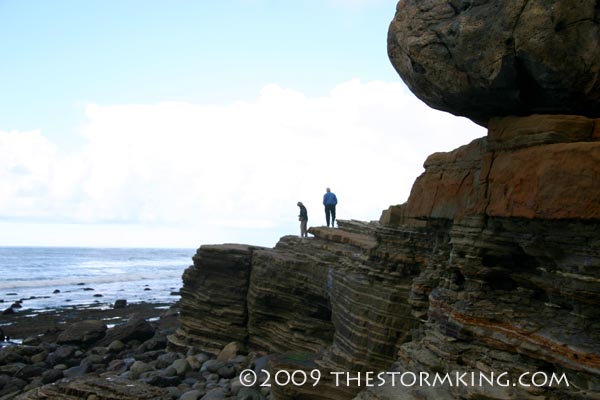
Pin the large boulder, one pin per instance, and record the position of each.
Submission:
(136, 328)
(487, 58)
(83, 332)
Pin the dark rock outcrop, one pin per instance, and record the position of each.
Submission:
(83, 332)
(516, 287)
(304, 295)
(135, 328)
(489, 58)
(213, 299)
(97, 388)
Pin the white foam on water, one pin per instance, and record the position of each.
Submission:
(87, 280)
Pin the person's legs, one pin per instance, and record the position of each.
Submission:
(333, 216)
(303, 232)
(327, 211)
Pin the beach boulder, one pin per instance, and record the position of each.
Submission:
(491, 58)
(120, 303)
(136, 328)
(83, 332)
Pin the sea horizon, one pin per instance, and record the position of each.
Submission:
(51, 277)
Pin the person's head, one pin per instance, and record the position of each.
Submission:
(328, 190)
(299, 204)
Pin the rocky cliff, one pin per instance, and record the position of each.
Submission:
(493, 263)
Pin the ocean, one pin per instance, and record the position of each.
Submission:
(54, 277)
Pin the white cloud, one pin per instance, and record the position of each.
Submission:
(230, 172)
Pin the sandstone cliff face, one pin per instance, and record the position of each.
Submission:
(530, 167)
(491, 265)
(343, 293)
(519, 289)
(213, 298)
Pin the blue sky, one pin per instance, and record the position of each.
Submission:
(60, 55)
(178, 123)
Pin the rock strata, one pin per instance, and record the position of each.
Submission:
(516, 288)
(490, 266)
(490, 58)
(531, 167)
(305, 294)
(213, 298)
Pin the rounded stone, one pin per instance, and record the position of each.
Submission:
(227, 371)
(116, 346)
(248, 394)
(51, 375)
(164, 360)
(213, 365)
(215, 394)
(191, 395)
(181, 366)
(86, 331)
(494, 58)
(138, 368)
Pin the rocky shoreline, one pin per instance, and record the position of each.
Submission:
(27, 323)
(106, 353)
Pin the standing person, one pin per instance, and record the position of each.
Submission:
(329, 201)
(303, 218)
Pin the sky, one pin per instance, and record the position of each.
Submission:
(147, 123)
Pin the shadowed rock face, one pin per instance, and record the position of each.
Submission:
(487, 58)
(311, 296)
(491, 265)
(517, 288)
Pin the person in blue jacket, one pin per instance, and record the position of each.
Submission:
(329, 201)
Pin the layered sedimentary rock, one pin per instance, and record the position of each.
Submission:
(489, 58)
(519, 287)
(97, 388)
(213, 298)
(339, 299)
(529, 167)
(305, 295)
(490, 266)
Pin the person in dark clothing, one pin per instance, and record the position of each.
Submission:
(330, 201)
(303, 218)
